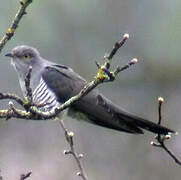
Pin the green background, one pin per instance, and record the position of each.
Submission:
(76, 33)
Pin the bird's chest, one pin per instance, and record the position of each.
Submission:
(22, 85)
(44, 97)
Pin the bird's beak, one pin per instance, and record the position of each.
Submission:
(9, 55)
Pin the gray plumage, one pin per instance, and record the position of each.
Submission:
(53, 84)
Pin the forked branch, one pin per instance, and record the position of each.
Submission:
(69, 137)
(162, 138)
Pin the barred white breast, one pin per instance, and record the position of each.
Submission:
(44, 97)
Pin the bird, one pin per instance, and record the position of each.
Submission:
(53, 84)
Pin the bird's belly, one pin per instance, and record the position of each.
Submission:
(78, 115)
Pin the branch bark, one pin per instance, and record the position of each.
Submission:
(69, 137)
(25, 176)
(160, 138)
(11, 30)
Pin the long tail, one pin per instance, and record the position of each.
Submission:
(136, 123)
(103, 112)
(125, 121)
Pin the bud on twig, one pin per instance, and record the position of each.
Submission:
(160, 100)
(70, 134)
(10, 103)
(126, 36)
(155, 144)
(81, 156)
(65, 152)
(78, 173)
(134, 60)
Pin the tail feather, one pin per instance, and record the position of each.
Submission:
(103, 112)
(145, 124)
(130, 122)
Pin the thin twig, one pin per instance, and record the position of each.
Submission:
(10, 32)
(170, 153)
(20, 114)
(162, 138)
(117, 46)
(25, 176)
(14, 97)
(77, 157)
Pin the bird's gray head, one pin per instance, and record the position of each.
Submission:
(24, 57)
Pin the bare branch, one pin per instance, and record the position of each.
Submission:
(14, 97)
(162, 138)
(17, 113)
(10, 32)
(117, 46)
(77, 157)
(25, 176)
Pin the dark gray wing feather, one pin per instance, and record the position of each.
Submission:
(65, 83)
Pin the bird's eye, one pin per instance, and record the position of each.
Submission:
(26, 56)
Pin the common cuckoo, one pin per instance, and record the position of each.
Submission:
(52, 84)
